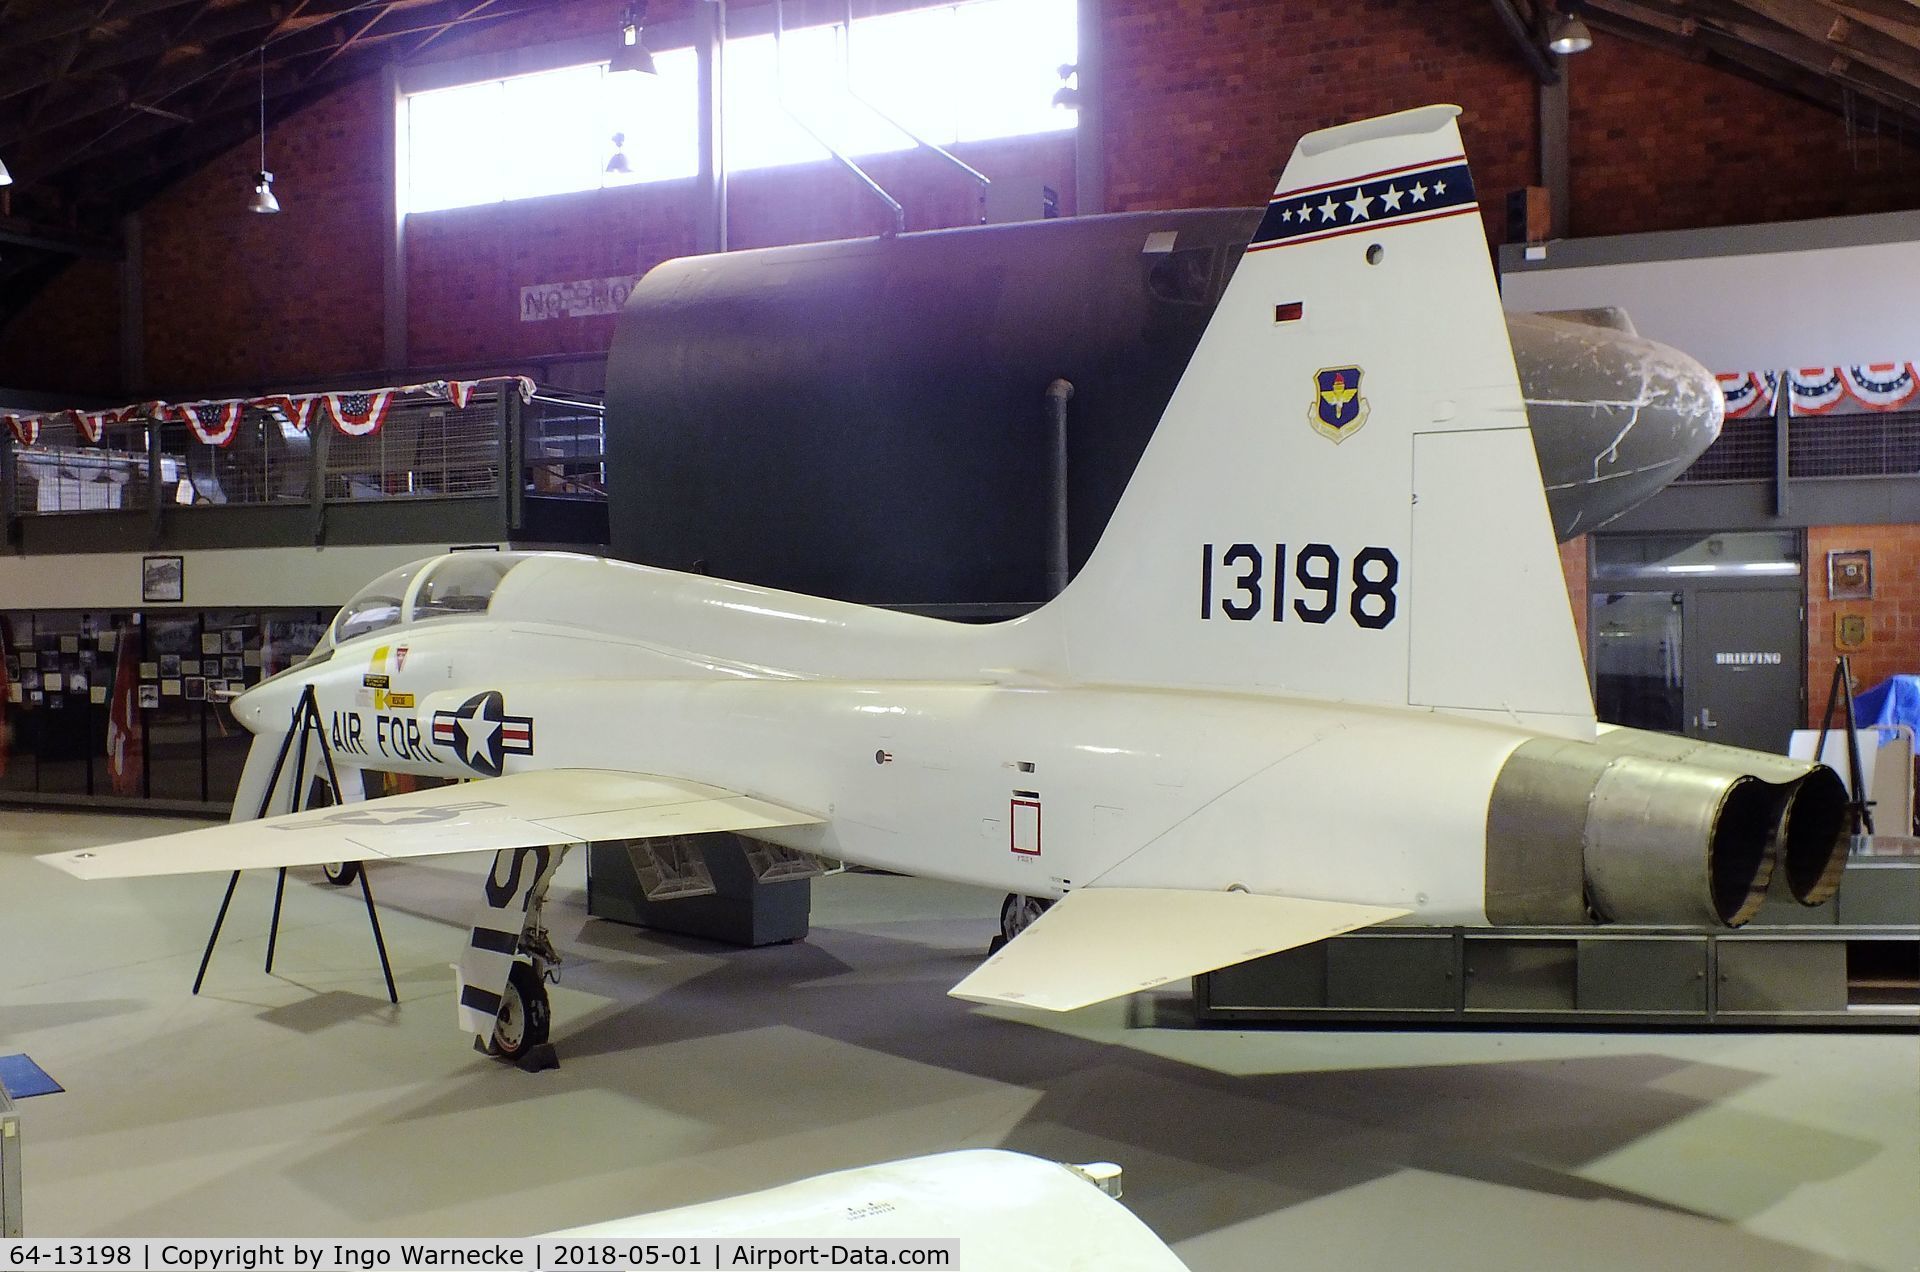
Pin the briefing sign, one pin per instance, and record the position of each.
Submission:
(582, 298)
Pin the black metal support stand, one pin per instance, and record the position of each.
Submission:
(306, 724)
(1840, 692)
(379, 941)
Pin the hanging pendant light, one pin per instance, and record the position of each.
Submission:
(630, 54)
(6, 178)
(1568, 34)
(263, 201)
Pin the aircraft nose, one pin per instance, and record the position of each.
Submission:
(1615, 416)
(268, 706)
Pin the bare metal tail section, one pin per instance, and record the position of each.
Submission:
(1345, 473)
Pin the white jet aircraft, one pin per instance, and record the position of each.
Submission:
(1320, 673)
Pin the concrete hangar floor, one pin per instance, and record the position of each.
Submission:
(304, 1104)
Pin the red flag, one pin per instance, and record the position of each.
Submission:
(126, 743)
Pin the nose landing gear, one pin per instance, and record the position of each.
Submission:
(526, 1016)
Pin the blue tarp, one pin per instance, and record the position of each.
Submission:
(1894, 701)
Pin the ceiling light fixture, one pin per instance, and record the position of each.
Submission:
(6, 178)
(631, 54)
(1568, 34)
(263, 201)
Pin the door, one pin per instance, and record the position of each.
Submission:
(1745, 667)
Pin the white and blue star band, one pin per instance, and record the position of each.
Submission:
(1398, 196)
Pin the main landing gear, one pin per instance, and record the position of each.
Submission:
(341, 874)
(1017, 914)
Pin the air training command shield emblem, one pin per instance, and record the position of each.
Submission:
(1338, 409)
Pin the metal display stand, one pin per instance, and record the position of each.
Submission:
(1840, 693)
(11, 1218)
(306, 723)
(1853, 961)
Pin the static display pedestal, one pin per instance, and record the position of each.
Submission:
(11, 1220)
(1853, 961)
(740, 911)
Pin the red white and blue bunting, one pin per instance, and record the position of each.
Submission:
(213, 423)
(1882, 386)
(1847, 390)
(296, 411)
(354, 414)
(359, 414)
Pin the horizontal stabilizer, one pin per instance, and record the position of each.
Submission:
(520, 810)
(1099, 943)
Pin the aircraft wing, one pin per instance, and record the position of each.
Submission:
(520, 810)
(1099, 943)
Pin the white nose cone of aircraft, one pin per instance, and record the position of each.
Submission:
(1320, 672)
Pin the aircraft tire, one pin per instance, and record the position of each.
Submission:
(526, 1015)
(341, 874)
(1017, 913)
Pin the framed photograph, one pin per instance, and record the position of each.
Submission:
(235, 639)
(196, 688)
(149, 697)
(163, 578)
(232, 666)
(209, 642)
(169, 664)
(1850, 575)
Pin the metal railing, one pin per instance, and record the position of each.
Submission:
(1857, 444)
(268, 462)
(564, 441)
(425, 447)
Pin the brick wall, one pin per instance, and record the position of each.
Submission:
(237, 298)
(1205, 100)
(1893, 615)
(1573, 563)
(1659, 143)
(68, 341)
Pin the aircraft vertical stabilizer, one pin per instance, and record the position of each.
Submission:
(1344, 480)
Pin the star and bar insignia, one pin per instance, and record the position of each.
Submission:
(482, 734)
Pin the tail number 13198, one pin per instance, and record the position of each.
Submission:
(1242, 583)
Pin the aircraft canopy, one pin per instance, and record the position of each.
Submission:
(460, 585)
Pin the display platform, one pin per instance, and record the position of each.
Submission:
(11, 1220)
(1854, 961)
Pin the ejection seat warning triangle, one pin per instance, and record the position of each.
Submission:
(21, 1078)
